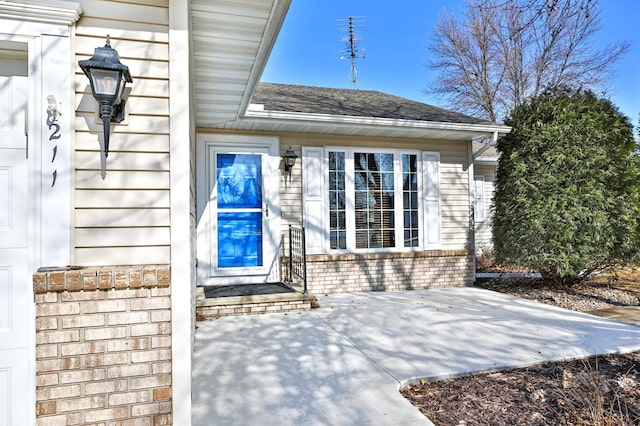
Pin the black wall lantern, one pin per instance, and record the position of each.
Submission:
(108, 79)
(289, 159)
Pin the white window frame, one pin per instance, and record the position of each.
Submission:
(399, 200)
(350, 202)
(349, 206)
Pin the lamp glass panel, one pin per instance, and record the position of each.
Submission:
(105, 82)
(121, 90)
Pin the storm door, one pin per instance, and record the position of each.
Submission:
(242, 216)
(239, 210)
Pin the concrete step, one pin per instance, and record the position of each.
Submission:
(216, 307)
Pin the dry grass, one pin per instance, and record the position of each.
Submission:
(595, 398)
(627, 279)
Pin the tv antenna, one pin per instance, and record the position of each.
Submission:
(352, 50)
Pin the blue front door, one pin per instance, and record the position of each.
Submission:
(239, 210)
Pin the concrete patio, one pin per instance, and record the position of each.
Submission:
(343, 364)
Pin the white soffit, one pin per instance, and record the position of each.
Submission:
(42, 11)
(231, 40)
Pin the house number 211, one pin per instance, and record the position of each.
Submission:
(53, 115)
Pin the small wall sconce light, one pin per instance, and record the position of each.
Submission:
(289, 159)
(108, 77)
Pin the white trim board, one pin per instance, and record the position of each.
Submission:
(44, 27)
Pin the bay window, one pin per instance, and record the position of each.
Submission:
(365, 199)
(373, 199)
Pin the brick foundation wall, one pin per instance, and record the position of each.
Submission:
(103, 346)
(389, 271)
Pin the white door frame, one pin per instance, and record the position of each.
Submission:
(46, 28)
(207, 145)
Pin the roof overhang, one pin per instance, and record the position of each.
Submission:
(485, 161)
(231, 42)
(41, 11)
(289, 122)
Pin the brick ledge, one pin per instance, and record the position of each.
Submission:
(388, 255)
(102, 278)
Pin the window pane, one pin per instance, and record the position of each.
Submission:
(410, 199)
(333, 220)
(239, 181)
(342, 236)
(388, 238)
(337, 223)
(340, 181)
(333, 241)
(412, 238)
(333, 201)
(374, 200)
(239, 239)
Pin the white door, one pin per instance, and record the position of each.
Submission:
(243, 214)
(16, 296)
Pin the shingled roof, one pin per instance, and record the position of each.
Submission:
(350, 102)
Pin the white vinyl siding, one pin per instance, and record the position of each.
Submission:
(455, 198)
(124, 219)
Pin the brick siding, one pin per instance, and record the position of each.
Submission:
(103, 346)
(389, 271)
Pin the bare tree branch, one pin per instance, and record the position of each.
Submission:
(503, 52)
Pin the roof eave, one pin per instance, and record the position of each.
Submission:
(231, 42)
(278, 14)
(486, 161)
(321, 120)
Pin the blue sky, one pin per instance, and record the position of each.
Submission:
(395, 36)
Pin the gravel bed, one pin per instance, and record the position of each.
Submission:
(586, 297)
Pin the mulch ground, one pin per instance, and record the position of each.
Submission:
(603, 390)
(595, 391)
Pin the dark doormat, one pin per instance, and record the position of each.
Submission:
(246, 290)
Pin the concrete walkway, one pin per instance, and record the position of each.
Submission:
(343, 364)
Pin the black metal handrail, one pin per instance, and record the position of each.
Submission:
(297, 255)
